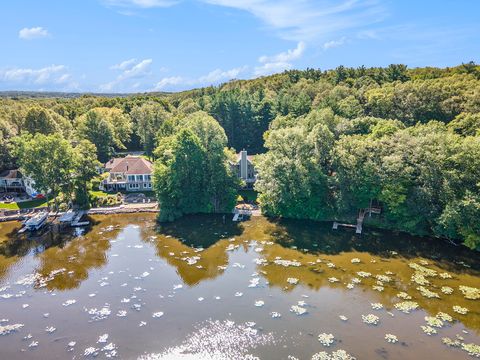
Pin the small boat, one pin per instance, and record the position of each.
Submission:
(37, 221)
(67, 217)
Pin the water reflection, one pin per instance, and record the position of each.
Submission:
(198, 248)
(324, 255)
(129, 267)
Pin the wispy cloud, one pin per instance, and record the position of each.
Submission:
(212, 78)
(145, 4)
(286, 56)
(53, 77)
(219, 75)
(334, 43)
(54, 73)
(168, 82)
(124, 64)
(131, 71)
(33, 33)
(268, 64)
(279, 62)
(310, 20)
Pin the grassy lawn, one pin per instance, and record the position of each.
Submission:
(24, 204)
(98, 193)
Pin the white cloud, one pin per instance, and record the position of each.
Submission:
(131, 71)
(138, 70)
(123, 65)
(219, 75)
(286, 56)
(279, 62)
(145, 4)
(33, 33)
(53, 77)
(53, 73)
(309, 20)
(212, 78)
(168, 81)
(334, 43)
(272, 68)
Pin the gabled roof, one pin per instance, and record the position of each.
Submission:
(11, 174)
(130, 165)
(249, 157)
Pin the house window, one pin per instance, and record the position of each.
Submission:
(147, 185)
(131, 178)
(139, 177)
(147, 177)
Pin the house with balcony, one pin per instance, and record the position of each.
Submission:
(14, 181)
(131, 173)
(244, 168)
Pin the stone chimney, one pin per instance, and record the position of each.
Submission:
(243, 164)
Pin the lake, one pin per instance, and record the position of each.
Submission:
(200, 288)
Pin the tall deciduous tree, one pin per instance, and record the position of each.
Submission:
(39, 120)
(86, 164)
(148, 118)
(179, 182)
(49, 160)
(192, 174)
(292, 182)
(107, 128)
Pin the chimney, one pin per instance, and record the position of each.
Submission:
(243, 164)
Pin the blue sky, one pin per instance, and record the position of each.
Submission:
(170, 45)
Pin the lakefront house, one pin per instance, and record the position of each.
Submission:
(244, 169)
(15, 181)
(131, 173)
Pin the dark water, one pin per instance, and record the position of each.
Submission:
(201, 289)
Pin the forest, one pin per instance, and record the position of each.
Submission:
(329, 143)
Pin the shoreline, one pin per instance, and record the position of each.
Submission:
(122, 209)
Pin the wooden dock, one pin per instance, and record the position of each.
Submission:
(76, 220)
(361, 216)
(240, 214)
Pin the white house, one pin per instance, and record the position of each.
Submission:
(131, 173)
(15, 181)
(244, 168)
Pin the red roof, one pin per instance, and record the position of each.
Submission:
(133, 165)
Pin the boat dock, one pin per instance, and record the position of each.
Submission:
(361, 216)
(241, 214)
(73, 218)
(357, 227)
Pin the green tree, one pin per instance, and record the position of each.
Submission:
(99, 131)
(148, 118)
(221, 184)
(179, 182)
(191, 173)
(291, 181)
(86, 164)
(39, 120)
(49, 160)
(107, 128)
(466, 124)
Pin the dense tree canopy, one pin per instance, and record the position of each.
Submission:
(333, 141)
(48, 160)
(148, 118)
(107, 128)
(192, 174)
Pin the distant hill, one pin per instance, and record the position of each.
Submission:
(13, 94)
